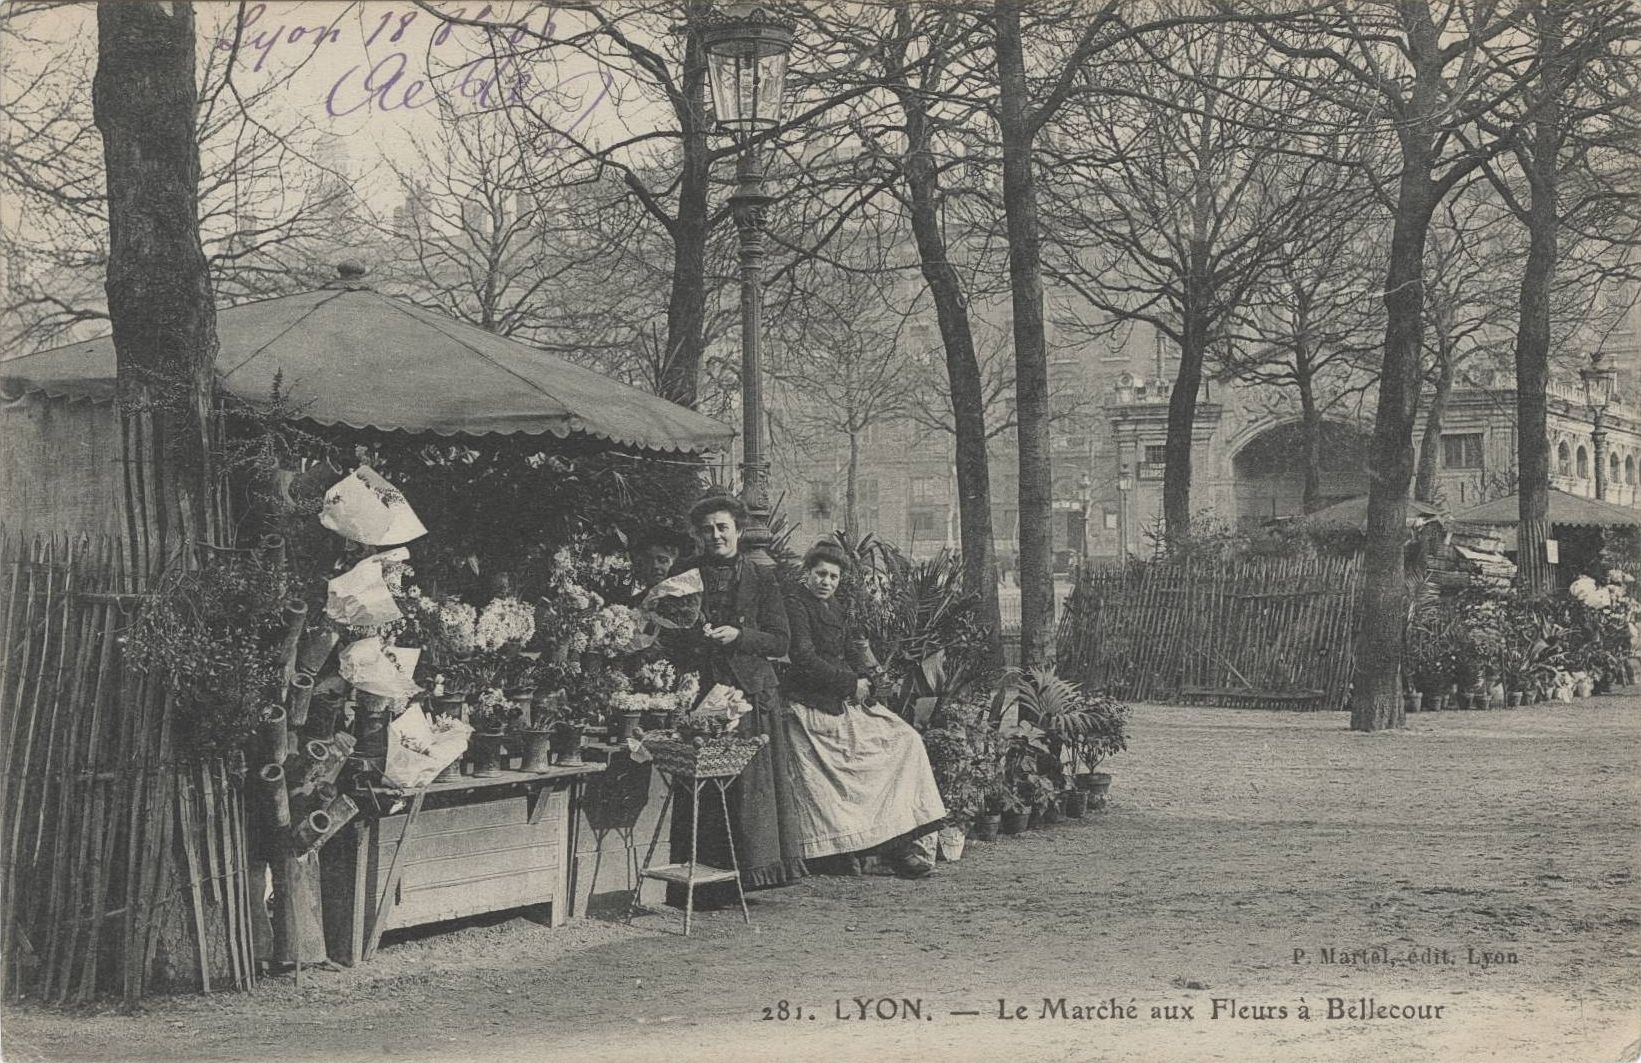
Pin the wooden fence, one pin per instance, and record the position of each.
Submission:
(1257, 632)
(122, 868)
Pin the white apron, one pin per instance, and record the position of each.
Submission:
(859, 779)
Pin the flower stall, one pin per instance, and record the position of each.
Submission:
(416, 660)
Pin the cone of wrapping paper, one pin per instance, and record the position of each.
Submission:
(675, 602)
(360, 596)
(722, 703)
(381, 670)
(367, 509)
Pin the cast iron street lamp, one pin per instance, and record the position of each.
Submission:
(747, 46)
(1085, 495)
(1125, 483)
(1598, 392)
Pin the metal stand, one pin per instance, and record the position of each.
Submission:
(687, 875)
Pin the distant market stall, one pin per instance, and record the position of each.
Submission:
(1577, 526)
(426, 513)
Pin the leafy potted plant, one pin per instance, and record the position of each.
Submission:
(1013, 813)
(535, 733)
(952, 757)
(492, 716)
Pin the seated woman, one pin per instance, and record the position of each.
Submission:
(861, 777)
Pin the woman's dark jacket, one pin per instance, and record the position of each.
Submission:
(756, 607)
(822, 674)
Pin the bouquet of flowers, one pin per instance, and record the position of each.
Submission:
(495, 712)
(659, 696)
(504, 621)
(717, 715)
(451, 624)
(612, 631)
(675, 602)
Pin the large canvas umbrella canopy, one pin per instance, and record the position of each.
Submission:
(1567, 510)
(348, 355)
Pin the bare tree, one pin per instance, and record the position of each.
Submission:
(1466, 262)
(848, 368)
(1430, 70)
(270, 210)
(1308, 325)
(159, 288)
(1176, 194)
(480, 245)
(1574, 124)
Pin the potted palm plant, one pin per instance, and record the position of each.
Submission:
(1078, 729)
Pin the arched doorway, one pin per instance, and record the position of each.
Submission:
(1269, 470)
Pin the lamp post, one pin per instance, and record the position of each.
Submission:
(1085, 495)
(746, 47)
(1598, 392)
(1125, 483)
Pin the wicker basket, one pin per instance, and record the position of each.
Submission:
(716, 758)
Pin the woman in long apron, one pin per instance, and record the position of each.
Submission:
(861, 776)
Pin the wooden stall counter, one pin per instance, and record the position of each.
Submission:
(452, 849)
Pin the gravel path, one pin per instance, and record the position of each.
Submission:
(1237, 849)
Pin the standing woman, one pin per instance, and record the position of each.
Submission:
(744, 627)
(861, 774)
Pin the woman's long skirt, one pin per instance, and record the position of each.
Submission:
(860, 779)
(761, 805)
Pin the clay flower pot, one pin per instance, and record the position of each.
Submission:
(487, 750)
(565, 742)
(984, 828)
(630, 724)
(1076, 803)
(1014, 822)
(538, 750)
(1102, 784)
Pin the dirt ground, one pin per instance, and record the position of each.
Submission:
(1234, 840)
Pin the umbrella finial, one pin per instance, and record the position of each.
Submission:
(350, 275)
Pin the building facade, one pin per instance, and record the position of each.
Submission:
(1108, 442)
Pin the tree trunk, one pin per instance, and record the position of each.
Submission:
(962, 373)
(159, 288)
(1182, 419)
(1030, 353)
(1430, 447)
(1375, 700)
(687, 300)
(1310, 426)
(1541, 164)
(851, 492)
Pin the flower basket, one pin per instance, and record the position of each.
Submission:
(714, 758)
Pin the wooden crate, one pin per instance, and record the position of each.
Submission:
(478, 845)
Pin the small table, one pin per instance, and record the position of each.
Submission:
(461, 847)
(691, 873)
